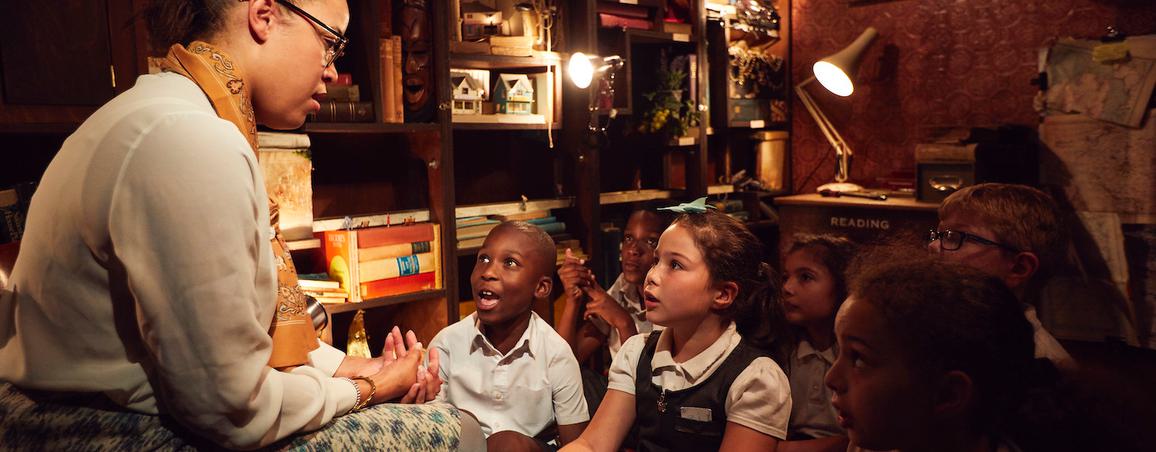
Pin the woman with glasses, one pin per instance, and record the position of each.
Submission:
(609, 316)
(154, 304)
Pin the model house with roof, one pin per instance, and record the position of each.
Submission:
(513, 94)
(468, 94)
(479, 21)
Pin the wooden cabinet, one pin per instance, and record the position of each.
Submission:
(59, 61)
(894, 221)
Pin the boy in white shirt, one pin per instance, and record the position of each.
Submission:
(504, 364)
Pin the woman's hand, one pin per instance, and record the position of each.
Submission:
(395, 347)
(398, 376)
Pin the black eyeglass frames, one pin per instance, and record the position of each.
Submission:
(334, 47)
(950, 240)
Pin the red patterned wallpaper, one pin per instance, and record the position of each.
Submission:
(934, 63)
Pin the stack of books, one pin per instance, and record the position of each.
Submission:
(392, 91)
(342, 103)
(621, 15)
(472, 231)
(323, 289)
(384, 261)
(573, 245)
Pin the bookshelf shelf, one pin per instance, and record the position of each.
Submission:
(366, 221)
(385, 301)
(504, 126)
(619, 197)
(369, 127)
(757, 124)
(510, 208)
(484, 61)
(306, 244)
(468, 251)
(659, 37)
(650, 3)
(720, 189)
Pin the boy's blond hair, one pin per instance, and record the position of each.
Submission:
(1019, 215)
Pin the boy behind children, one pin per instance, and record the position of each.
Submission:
(1012, 232)
(503, 363)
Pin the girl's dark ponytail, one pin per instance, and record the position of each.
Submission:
(183, 21)
(764, 325)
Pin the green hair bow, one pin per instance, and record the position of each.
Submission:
(697, 206)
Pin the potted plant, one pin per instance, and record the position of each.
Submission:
(669, 114)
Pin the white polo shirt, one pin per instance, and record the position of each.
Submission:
(759, 398)
(811, 411)
(628, 296)
(524, 390)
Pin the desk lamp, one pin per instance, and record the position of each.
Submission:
(837, 73)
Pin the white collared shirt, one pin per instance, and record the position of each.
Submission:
(627, 295)
(759, 398)
(811, 411)
(1046, 345)
(524, 390)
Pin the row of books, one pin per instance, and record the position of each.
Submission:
(343, 101)
(392, 89)
(472, 231)
(384, 261)
(322, 288)
(637, 17)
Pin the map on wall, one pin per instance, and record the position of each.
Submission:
(1116, 92)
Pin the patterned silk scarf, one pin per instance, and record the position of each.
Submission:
(223, 82)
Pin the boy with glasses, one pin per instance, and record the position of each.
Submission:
(1012, 232)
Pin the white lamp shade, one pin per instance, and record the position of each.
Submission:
(837, 72)
(581, 70)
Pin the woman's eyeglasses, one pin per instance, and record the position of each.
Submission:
(950, 240)
(334, 45)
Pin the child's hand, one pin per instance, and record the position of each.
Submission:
(601, 305)
(429, 382)
(574, 275)
(399, 376)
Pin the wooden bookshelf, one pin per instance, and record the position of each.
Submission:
(368, 127)
(484, 61)
(386, 301)
(620, 197)
(509, 208)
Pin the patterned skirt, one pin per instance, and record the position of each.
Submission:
(33, 420)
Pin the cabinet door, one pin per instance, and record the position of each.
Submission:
(59, 60)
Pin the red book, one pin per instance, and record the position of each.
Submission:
(380, 236)
(398, 286)
(613, 21)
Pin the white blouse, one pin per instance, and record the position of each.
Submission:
(759, 398)
(145, 273)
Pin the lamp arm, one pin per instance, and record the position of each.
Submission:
(842, 150)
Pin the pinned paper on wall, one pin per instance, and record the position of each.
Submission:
(1116, 91)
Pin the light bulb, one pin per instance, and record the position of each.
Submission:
(580, 69)
(833, 78)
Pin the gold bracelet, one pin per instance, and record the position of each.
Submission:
(365, 400)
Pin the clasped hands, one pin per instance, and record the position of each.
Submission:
(579, 283)
(400, 371)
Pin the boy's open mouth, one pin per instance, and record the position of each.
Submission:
(487, 300)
